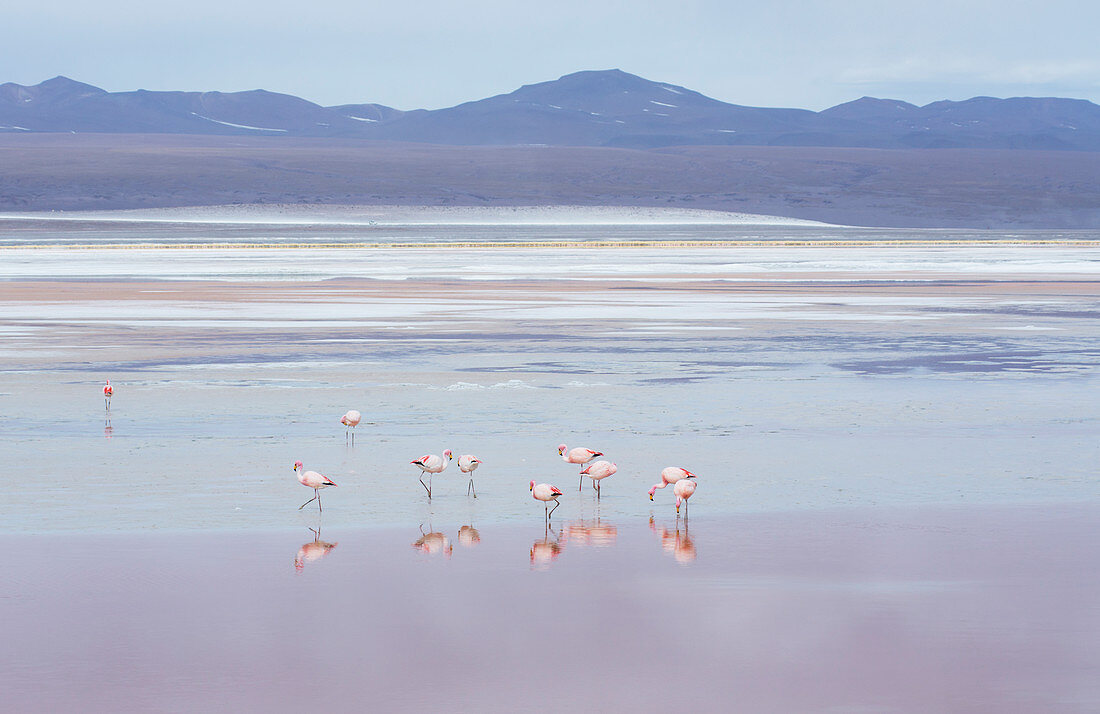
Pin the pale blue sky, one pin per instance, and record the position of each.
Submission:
(436, 53)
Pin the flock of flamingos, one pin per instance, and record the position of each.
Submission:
(682, 480)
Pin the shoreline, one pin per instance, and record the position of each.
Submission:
(797, 515)
(580, 244)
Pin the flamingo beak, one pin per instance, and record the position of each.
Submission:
(651, 497)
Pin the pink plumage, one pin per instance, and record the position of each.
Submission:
(431, 464)
(670, 475)
(314, 480)
(683, 489)
(597, 471)
(467, 464)
(545, 492)
(350, 420)
(579, 455)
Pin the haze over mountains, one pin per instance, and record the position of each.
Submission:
(594, 108)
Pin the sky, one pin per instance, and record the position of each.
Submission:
(429, 54)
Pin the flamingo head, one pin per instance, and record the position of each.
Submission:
(344, 420)
(651, 492)
(561, 449)
(297, 465)
(532, 486)
(448, 454)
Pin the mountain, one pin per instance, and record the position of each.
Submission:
(608, 108)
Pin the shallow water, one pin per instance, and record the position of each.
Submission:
(896, 455)
(911, 610)
(787, 378)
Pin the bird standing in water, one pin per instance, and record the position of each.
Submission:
(108, 390)
(313, 480)
(670, 475)
(578, 455)
(683, 490)
(545, 492)
(431, 464)
(350, 420)
(597, 471)
(467, 464)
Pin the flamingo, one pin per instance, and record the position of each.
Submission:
(108, 390)
(467, 464)
(578, 455)
(431, 464)
(672, 474)
(313, 480)
(683, 490)
(545, 492)
(598, 470)
(350, 420)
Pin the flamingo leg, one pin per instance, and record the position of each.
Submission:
(597, 490)
(471, 488)
(308, 502)
(318, 500)
(581, 483)
(551, 513)
(426, 487)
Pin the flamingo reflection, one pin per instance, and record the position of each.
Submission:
(433, 542)
(676, 542)
(590, 532)
(545, 551)
(310, 552)
(468, 536)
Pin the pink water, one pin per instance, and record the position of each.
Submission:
(989, 609)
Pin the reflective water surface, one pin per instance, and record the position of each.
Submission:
(898, 610)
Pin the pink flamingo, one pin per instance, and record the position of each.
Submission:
(350, 420)
(683, 490)
(431, 464)
(467, 464)
(578, 455)
(108, 390)
(672, 474)
(314, 480)
(598, 470)
(545, 492)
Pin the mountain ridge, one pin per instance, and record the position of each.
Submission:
(609, 108)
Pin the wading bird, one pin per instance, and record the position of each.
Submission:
(108, 390)
(350, 420)
(545, 492)
(314, 480)
(467, 464)
(598, 470)
(578, 455)
(670, 475)
(683, 490)
(431, 464)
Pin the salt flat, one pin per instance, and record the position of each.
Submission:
(895, 446)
